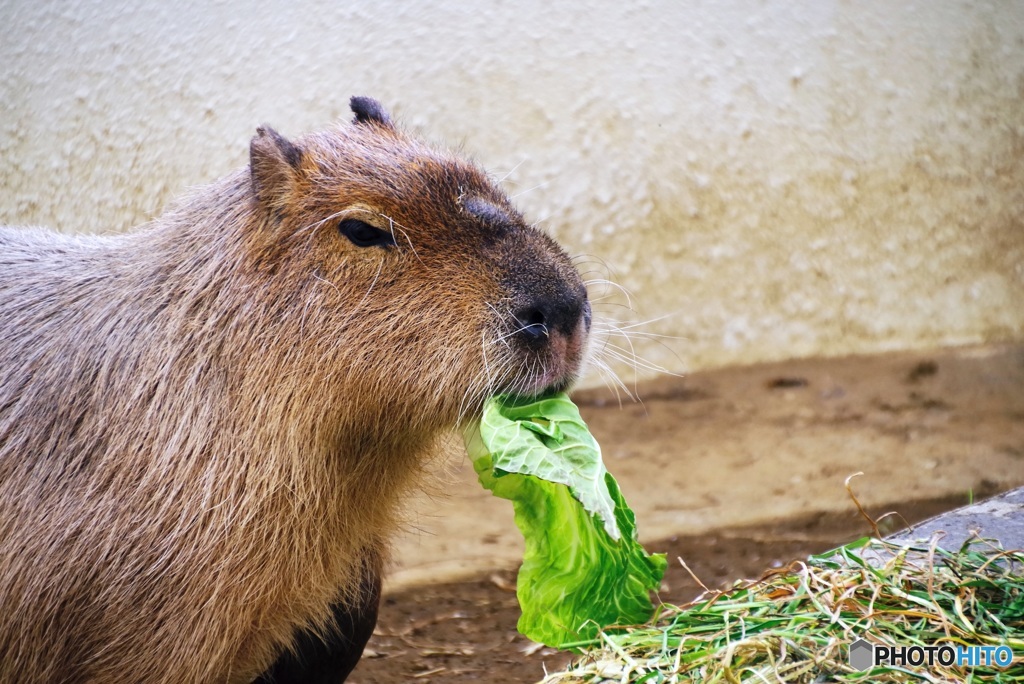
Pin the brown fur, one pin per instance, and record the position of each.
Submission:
(206, 423)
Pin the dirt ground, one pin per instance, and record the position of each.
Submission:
(735, 471)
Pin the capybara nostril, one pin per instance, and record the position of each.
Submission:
(588, 315)
(532, 324)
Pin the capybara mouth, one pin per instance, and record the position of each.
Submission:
(553, 353)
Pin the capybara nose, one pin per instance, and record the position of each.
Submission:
(542, 317)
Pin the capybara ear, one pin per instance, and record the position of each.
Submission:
(274, 163)
(369, 110)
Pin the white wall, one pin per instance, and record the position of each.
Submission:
(767, 179)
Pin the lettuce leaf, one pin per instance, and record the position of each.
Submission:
(583, 568)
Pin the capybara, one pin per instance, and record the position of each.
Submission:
(208, 424)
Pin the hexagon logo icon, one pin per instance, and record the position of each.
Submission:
(862, 655)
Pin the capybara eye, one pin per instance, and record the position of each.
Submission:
(363, 234)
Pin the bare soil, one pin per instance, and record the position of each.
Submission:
(735, 471)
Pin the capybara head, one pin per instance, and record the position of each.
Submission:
(438, 290)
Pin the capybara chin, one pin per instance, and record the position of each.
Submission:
(207, 423)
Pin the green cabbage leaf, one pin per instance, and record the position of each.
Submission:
(583, 568)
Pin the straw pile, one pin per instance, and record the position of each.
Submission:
(796, 624)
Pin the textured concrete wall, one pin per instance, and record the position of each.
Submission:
(767, 179)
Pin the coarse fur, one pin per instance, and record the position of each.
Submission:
(207, 423)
